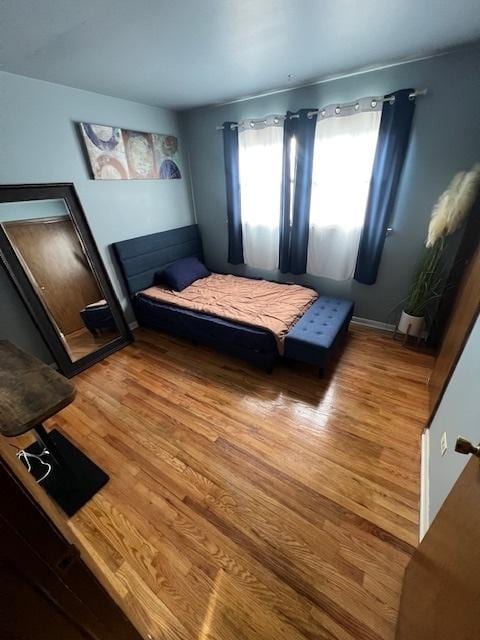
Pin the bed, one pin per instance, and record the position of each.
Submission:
(140, 259)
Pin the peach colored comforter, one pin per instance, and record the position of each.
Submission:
(258, 303)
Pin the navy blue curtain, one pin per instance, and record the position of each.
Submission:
(392, 144)
(284, 245)
(294, 232)
(232, 176)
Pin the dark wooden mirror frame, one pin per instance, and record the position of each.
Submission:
(64, 191)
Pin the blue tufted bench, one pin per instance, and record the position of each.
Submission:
(313, 338)
(97, 316)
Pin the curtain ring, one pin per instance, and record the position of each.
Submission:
(276, 120)
(322, 113)
(252, 124)
(391, 100)
(232, 127)
(357, 106)
(337, 110)
(374, 104)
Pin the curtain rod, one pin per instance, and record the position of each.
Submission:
(276, 119)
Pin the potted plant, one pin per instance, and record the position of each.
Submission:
(425, 290)
(447, 216)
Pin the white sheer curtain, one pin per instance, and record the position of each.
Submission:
(342, 166)
(260, 167)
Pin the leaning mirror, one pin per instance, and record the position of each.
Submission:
(49, 252)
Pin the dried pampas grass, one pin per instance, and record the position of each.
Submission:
(449, 213)
(454, 205)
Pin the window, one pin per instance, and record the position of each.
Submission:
(342, 166)
(260, 169)
(327, 214)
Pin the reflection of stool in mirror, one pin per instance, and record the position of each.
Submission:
(97, 316)
(31, 392)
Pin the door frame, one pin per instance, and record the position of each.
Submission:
(453, 367)
(424, 510)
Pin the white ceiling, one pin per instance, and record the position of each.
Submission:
(185, 53)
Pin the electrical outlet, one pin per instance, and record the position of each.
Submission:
(443, 443)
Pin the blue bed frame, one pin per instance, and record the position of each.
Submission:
(141, 258)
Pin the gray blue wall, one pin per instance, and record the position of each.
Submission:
(457, 415)
(39, 143)
(445, 139)
(10, 211)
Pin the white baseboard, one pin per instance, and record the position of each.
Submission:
(424, 485)
(133, 325)
(373, 323)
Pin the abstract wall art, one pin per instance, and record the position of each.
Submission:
(166, 157)
(139, 150)
(122, 154)
(106, 151)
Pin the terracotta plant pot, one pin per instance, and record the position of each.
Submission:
(413, 325)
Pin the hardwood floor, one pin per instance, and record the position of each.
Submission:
(80, 343)
(249, 506)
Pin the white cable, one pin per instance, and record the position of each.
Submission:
(22, 454)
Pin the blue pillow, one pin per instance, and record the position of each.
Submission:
(182, 273)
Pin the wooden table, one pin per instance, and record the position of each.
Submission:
(31, 392)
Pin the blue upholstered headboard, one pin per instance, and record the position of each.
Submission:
(140, 258)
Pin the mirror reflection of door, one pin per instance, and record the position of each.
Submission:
(48, 246)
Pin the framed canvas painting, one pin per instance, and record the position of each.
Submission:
(139, 152)
(106, 151)
(167, 161)
(124, 154)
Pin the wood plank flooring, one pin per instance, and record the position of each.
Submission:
(80, 343)
(250, 506)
